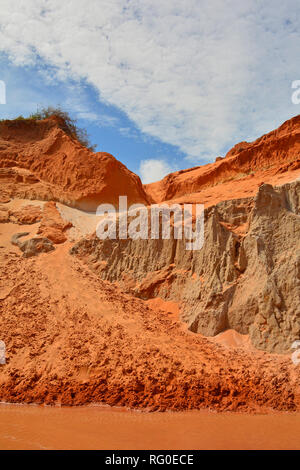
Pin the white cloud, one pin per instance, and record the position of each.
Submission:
(102, 120)
(197, 74)
(153, 170)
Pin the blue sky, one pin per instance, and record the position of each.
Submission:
(30, 87)
(160, 85)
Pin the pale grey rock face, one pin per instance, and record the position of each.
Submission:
(33, 246)
(246, 276)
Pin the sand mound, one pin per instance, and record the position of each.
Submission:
(273, 158)
(74, 339)
(122, 322)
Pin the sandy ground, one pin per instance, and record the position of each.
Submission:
(233, 339)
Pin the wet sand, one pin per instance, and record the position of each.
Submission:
(39, 427)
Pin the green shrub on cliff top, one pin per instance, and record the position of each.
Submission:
(64, 120)
(66, 123)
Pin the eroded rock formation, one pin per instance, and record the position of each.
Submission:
(245, 277)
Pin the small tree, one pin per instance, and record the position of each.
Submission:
(66, 123)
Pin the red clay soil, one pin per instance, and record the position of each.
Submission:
(74, 339)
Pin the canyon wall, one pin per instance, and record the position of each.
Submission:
(246, 276)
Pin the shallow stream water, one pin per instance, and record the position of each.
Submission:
(96, 427)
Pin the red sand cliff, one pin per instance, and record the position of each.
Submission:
(273, 158)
